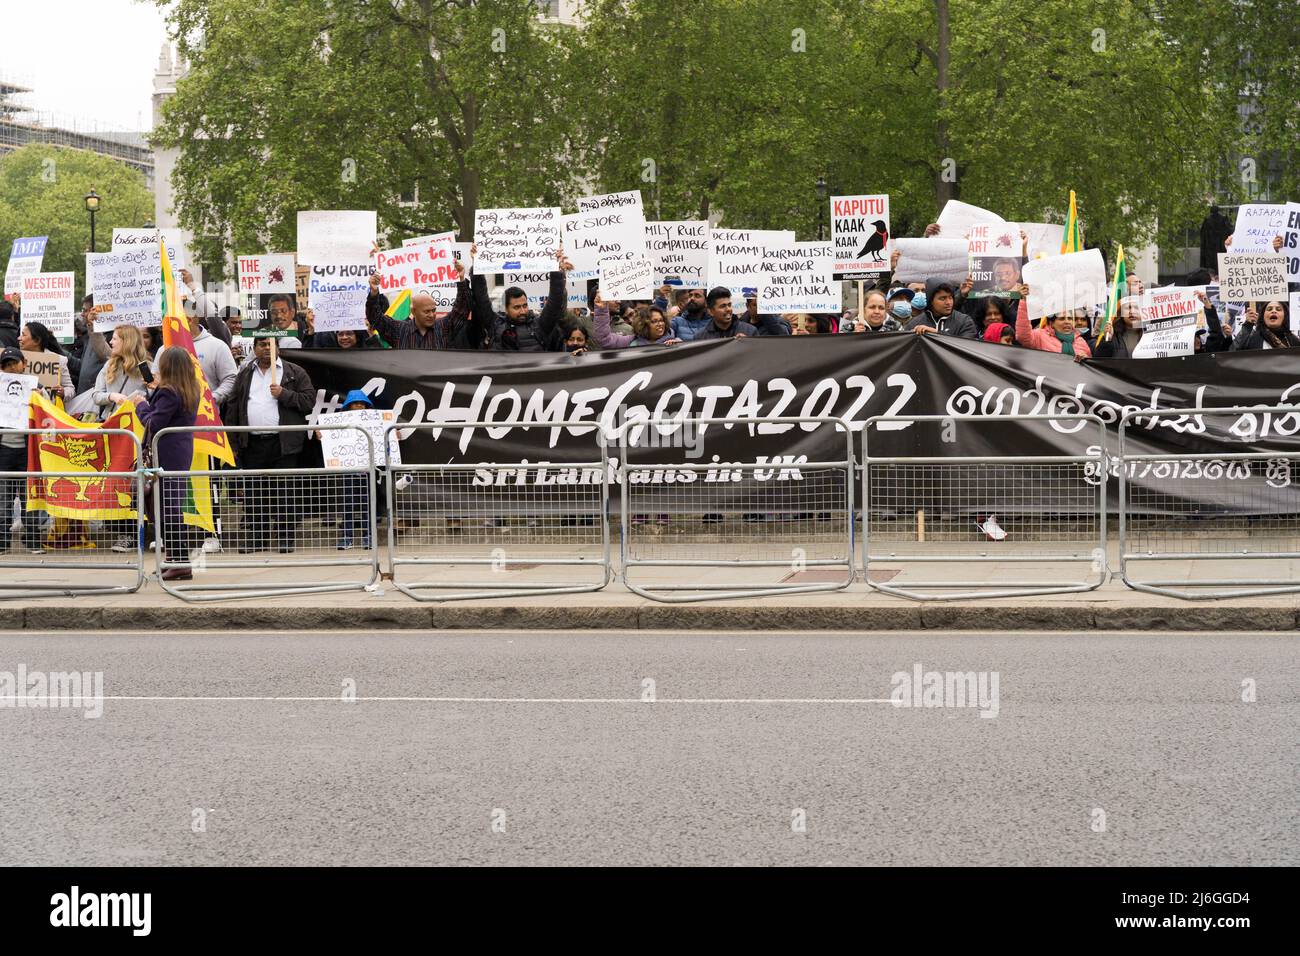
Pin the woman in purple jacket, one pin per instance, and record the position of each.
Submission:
(173, 401)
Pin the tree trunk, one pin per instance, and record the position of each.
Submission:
(945, 176)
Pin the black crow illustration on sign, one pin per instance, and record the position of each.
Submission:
(875, 242)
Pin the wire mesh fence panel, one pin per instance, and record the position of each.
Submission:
(499, 529)
(279, 529)
(76, 525)
(942, 526)
(1211, 523)
(753, 524)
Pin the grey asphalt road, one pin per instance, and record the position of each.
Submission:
(537, 748)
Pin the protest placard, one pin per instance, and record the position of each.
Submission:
(15, 390)
(137, 238)
(1045, 238)
(338, 298)
(1075, 280)
(622, 279)
(48, 299)
(46, 367)
(127, 285)
(798, 277)
(630, 200)
(957, 218)
(612, 232)
(516, 240)
(922, 259)
(860, 232)
(1167, 338)
(273, 273)
(1257, 224)
(995, 259)
(24, 260)
(1290, 242)
(444, 293)
(1161, 305)
(679, 250)
(1293, 313)
(336, 237)
(301, 280)
(735, 254)
(416, 267)
(346, 449)
(1252, 277)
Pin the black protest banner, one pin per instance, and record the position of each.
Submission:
(852, 377)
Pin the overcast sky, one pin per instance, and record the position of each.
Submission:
(89, 59)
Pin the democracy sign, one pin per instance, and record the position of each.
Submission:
(48, 299)
(680, 252)
(139, 238)
(797, 277)
(24, 260)
(516, 240)
(1075, 280)
(273, 273)
(622, 279)
(127, 285)
(860, 232)
(1252, 277)
(995, 259)
(336, 237)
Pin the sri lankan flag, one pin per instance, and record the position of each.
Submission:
(1071, 239)
(92, 470)
(400, 309)
(197, 509)
(1118, 289)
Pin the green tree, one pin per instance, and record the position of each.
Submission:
(1007, 104)
(424, 110)
(42, 190)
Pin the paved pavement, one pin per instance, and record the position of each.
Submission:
(547, 735)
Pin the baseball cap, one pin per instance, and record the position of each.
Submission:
(11, 354)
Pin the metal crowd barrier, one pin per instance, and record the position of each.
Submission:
(91, 544)
(267, 519)
(980, 510)
(777, 525)
(1188, 514)
(500, 529)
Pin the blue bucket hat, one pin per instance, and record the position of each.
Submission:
(356, 395)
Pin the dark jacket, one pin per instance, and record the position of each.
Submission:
(543, 328)
(9, 332)
(296, 402)
(1254, 339)
(460, 328)
(164, 410)
(955, 323)
(737, 327)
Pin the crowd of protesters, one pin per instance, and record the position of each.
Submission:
(254, 385)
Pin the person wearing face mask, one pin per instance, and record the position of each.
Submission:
(939, 314)
(899, 310)
(1062, 335)
(1270, 331)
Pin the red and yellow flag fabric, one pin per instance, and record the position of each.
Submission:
(176, 331)
(106, 461)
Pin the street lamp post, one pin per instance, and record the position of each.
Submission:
(822, 192)
(92, 206)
